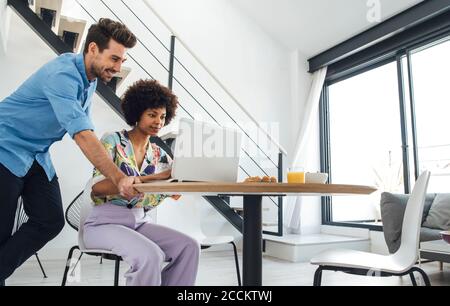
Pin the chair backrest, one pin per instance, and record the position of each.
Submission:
(73, 212)
(78, 210)
(86, 206)
(412, 220)
(21, 216)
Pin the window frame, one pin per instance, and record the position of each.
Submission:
(405, 52)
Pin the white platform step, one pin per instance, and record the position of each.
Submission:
(73, 26)
(301, 248)
(52, 7)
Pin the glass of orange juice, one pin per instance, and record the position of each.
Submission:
(296, 175)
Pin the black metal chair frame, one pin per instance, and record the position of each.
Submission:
(21, 218)
(72, 216)
(369, 272)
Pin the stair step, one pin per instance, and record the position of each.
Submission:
(266, 223)
(71, 31)
(122, 75)
(242, 209)
(49, 11)
(301, 248)
(119, 78)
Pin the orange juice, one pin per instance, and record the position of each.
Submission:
(296, 177)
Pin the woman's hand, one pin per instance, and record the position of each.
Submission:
(164, 175)
(156, 177)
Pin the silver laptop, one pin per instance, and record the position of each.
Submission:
(205, 152)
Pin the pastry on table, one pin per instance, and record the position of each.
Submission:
(253, 179)
(265, 179)
(269, 179)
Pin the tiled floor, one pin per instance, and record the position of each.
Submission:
(217, 269)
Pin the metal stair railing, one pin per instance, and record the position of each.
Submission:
(172, 78)
(21, 7)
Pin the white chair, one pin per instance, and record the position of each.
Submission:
(400, 263)
(184, 215)
(76, 214)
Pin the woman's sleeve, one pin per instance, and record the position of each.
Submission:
(164, 157)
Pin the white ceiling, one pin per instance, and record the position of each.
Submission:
(313, 26)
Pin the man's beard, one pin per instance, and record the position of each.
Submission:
(97, 72)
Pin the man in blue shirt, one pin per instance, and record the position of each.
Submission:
(54, 101)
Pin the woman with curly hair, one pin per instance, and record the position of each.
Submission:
(120, 225)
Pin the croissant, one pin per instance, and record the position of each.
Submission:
(253, 179)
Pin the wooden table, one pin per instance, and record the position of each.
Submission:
(252, 221)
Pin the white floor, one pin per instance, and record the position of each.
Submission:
(217, 269)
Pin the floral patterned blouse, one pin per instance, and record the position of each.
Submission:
(120, 149)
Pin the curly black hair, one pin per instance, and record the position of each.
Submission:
(148, 94)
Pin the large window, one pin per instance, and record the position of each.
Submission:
(368, 113)
(365, 140)
(430, 73)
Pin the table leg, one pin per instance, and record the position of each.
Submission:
(252, 241)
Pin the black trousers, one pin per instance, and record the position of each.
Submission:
(43, 205)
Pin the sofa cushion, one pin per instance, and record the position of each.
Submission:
(439, 214)
(392, 208)
(428, 234)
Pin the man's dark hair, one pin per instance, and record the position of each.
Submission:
(148, 94)
(105, 30)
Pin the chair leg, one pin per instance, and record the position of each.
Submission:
(76, 264)
(116, 272)
(424, 275)
(101, 259)
(236, 259)
(318, 277)
(413, 279)
(441, 266)
(40, 265)
(66, 270)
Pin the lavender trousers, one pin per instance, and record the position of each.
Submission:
(143, 245)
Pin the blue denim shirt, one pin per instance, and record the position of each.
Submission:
(54, 101)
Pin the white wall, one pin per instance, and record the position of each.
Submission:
(266, 78)
(5, 16)
(249, 63)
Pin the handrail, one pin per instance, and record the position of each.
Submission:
(193, 77)
(187, 91)
(106, 93)
(227, 91)
(132, 57)
(190, 94)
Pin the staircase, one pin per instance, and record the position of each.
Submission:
(152, 58)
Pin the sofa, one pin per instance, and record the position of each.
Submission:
(436, 217)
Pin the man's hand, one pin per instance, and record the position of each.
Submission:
(99, 157)
(126, 188)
